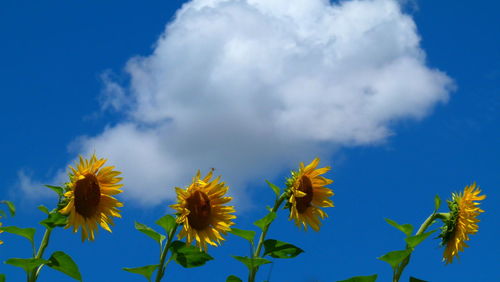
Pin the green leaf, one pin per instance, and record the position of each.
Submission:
(279, 249)
(413, 241)
(275, 188)
(232, 278)
(12, 208)
(371, 278)
(59, 190)
(28, 233)
(413, 279)
(55, 219)
(437, 203)
(146, 271)
(245, 234)
(395, 258)
(27, 264)
(405, 228)
(2, 277)
(188, 256)
(2, 214)
(251, 263)
(44, 209)
(266, 220)
(62, 262)
(167, 222)
(150, 232)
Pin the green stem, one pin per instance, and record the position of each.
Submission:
(277, 204)
(162, 266)
(43, 245)
(428, 222)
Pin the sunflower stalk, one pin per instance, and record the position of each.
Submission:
(426, 224)
(43, 245)
(162, 266)
(277, 204)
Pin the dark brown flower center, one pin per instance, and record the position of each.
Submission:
(87, 196)
(305, 186)
(198, 205)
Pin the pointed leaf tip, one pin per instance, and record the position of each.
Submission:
(146, 271)
(11, 206)
(370, 278)
(275, 188)
(405, 228)
(437, 203)
(263, 222)
(279, 249)
(62, 262)
(245, 234)
(150, 232)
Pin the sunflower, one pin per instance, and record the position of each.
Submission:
(461, 221)
(201, 212)
(308, 195)
(90, 196)
(1, 231)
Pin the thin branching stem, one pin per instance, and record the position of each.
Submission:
(162, 266)
(43, 245)
(277, 204)
(428, 222)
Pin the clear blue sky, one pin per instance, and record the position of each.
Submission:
(53, 55)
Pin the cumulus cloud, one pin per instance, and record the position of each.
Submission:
(251, 87)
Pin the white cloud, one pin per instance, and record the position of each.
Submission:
(252, 87)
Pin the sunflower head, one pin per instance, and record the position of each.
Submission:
(461, 221)
(201, 211)
(308, 194)
(89, 196)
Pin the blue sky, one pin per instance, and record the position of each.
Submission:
(78, 77)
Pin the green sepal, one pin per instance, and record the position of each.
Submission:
(275, 188)
(62, 262)
(2, 214)
(266, 220)
(250, 263)
(405, 228)
(150, 232)
(413, 241)
(245, 234)
(167, 222)
(28, 233)
(2, 278)
(11, 206)
(449, 223)
(146, 271)
(370, 278)
(394, 258)
(437, 203)
(188, 256)
(233, 278)
(413, 279)
(27, 264)
(279, 249)
(55, 219)
(59, 190)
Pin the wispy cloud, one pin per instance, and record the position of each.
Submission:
(253, 87)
